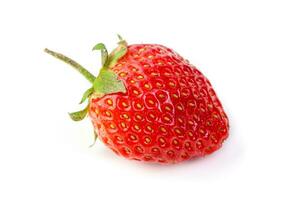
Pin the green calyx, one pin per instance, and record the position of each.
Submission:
(106, 82)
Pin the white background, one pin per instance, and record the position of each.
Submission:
(250, 51)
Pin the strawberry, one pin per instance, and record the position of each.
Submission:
(149, 104)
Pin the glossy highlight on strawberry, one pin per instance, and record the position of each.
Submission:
(163, 109)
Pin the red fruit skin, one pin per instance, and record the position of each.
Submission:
(170, 112)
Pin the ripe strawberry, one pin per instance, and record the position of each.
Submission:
(150, 104)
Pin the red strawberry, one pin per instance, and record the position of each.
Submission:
(150, 104)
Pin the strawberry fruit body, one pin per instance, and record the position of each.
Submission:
(150, 104)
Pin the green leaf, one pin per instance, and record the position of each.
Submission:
(79, 115)
(107, 82)
(104, 54)
(120, 37)
(95, 139)
(99, 46)
(118, 53)
(122, 41)
(86, 94)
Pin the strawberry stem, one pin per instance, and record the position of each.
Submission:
(90, 77)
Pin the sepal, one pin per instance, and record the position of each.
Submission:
(79, 115)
